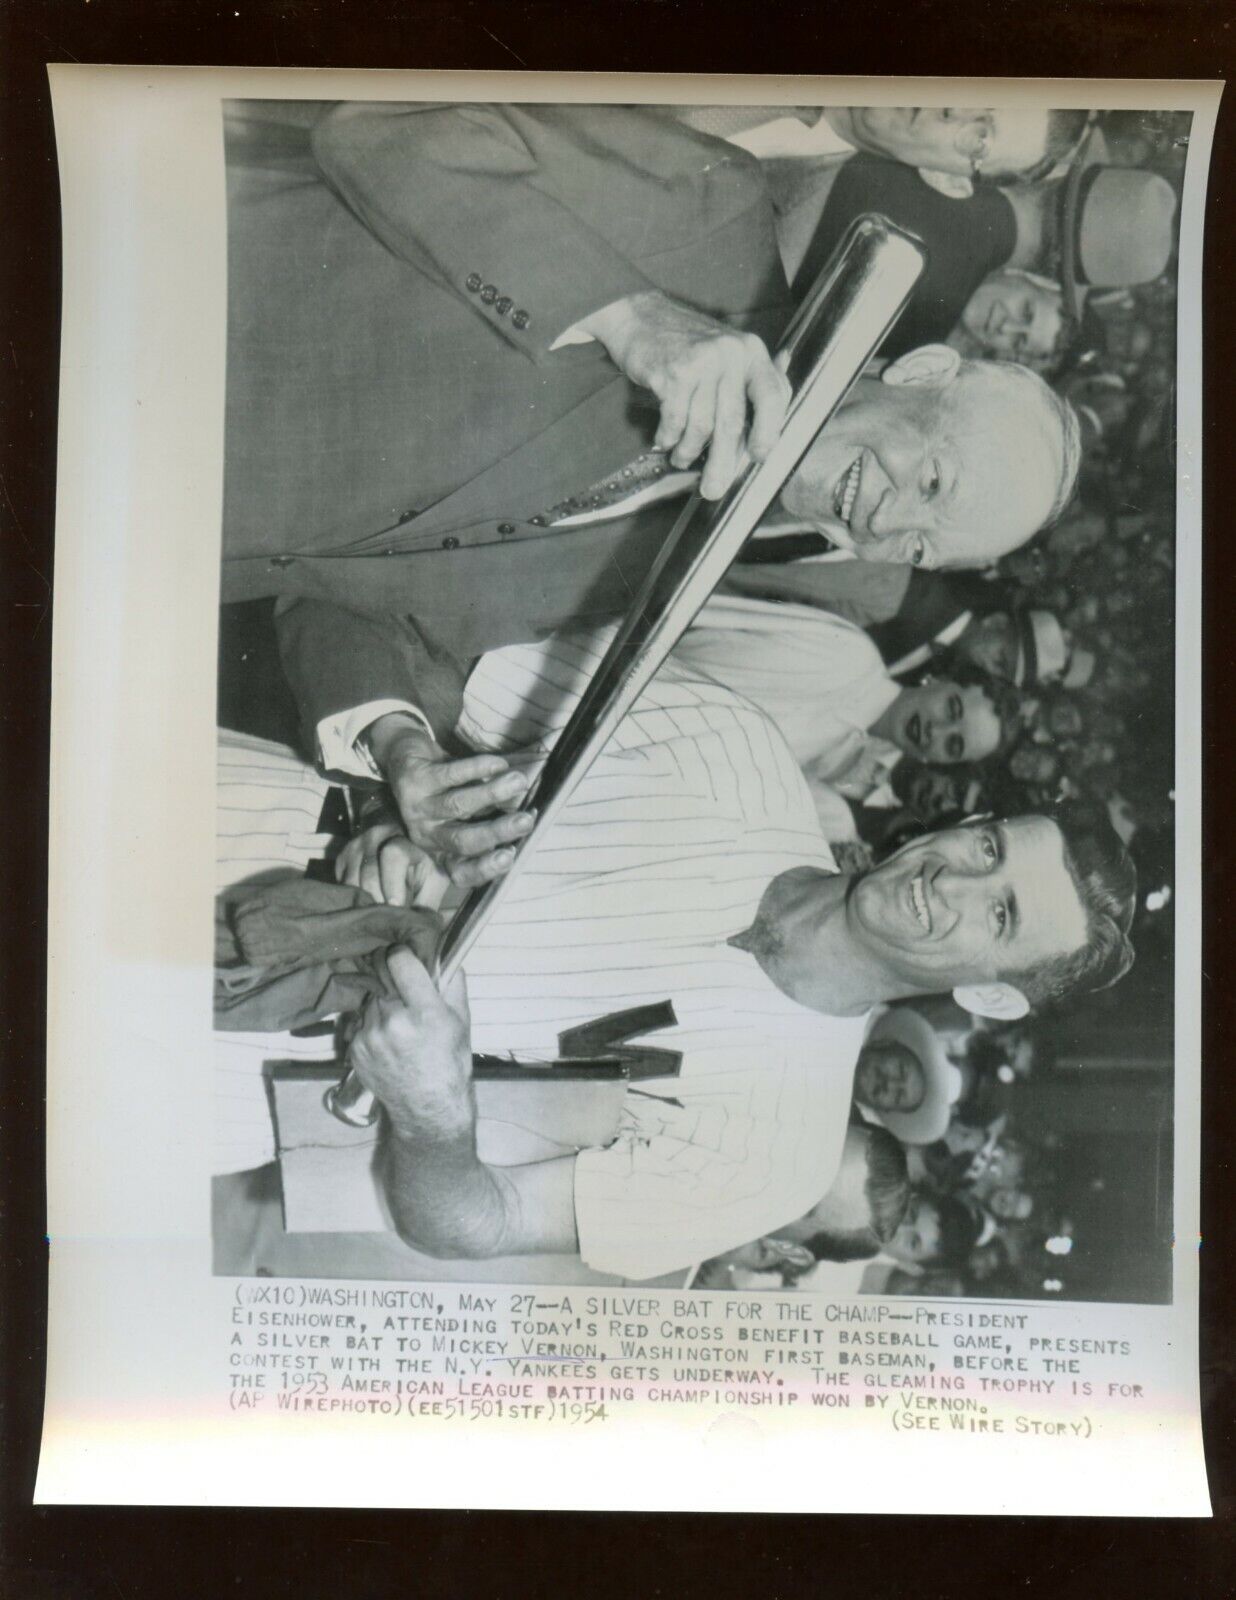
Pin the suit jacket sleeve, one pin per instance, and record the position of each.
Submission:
(487, 195)
(335, 659)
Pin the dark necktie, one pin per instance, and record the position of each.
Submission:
(781, 547)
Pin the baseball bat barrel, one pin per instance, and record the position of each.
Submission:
(839, 326)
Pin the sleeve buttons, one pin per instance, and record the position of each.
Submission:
(489, 296)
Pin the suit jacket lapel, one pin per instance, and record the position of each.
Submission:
(602, 433)
(599, 435)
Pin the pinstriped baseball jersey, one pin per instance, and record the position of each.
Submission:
(661, 856)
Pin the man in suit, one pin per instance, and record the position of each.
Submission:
(941, 151)
(473, 353)
(929, 161)
(967, 238)
(440, 315)
(445, 323)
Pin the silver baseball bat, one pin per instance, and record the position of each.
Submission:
(834, 333)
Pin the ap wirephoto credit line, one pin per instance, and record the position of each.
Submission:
(699, 828)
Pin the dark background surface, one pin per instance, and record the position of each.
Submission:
(72, 1552)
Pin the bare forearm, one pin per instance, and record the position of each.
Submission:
(413, 1053)
(445, 1201)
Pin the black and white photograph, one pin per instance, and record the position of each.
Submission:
(626, 884)
(696, 770)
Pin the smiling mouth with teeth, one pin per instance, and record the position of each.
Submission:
(846, 491)
(918, 896)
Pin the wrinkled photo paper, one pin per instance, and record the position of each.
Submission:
(625, 879)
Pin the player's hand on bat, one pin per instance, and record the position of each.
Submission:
(447, 804)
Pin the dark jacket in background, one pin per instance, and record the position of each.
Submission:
(966, 241)
(933, 603)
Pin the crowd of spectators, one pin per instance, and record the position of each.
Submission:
(1004, 1191)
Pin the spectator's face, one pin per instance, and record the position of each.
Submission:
(1064, 720)
(918, 1237)
(935, 794)
(947, 139)
(962, 1138)
(1028, 567)
(1098, 753)
(991, 643)
(1005, 1168)
(944, 723)
(1031, 763)
(948, 475)
(1010, 1205)
(965, 905)
(889, 1077)
(1014, 318)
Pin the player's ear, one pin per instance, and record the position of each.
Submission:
(950, 184)
(931, 366)
(1002, 1002)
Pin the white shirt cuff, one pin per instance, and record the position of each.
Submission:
(338, 750)
(573, 335)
